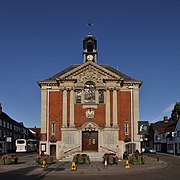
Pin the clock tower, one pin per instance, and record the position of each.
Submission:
(89, 46)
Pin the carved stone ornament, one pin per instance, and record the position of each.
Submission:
(90, 114)
(90, 73)
(43, 136)
(90, 126)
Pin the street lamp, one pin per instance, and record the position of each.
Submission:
(47, 118)
(132, 124)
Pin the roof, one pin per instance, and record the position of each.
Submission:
(107, 67)
(117, 72)
(162, 126)
(35, 130)
(63, 71)
(5, 117)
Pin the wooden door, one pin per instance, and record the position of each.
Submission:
(90, 141)
(53, 150)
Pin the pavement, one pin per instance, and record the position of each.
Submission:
(31, 168)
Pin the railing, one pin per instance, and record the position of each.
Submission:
(108, 149)
(71, 149)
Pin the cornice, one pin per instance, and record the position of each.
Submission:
(44, 83)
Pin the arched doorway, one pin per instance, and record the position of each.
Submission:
(90, 137)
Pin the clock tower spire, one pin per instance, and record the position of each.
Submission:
(90, 46)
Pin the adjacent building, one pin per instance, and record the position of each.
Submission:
(164, 136)
(35, 133)
(10, 130)
(173, 139)
(89, 107)
(144, 133)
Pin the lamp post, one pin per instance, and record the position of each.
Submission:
(47, 118)
(132, 124)
(174, 146)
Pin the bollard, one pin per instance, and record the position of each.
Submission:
(157, 158)
(73, 166)
(105, 163)
(127, 164)
(43, 164)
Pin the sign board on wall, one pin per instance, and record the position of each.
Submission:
(143, 127)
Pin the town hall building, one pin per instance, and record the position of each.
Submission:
(89, 107)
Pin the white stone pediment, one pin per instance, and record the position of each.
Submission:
(89, 71)
(89, 126)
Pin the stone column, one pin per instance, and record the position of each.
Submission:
(115, 108)
(64, 120)
(43, 110)
(107, 108)
(71, 108)
(82, 96)
(136, 113)
(96, 96)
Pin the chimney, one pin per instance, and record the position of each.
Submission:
(166, 120)
(0, 108)
(21, 124)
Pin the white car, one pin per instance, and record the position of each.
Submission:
(151, 150)
(143, 150)
(148, 150)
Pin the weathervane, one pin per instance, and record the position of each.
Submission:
(90, 24)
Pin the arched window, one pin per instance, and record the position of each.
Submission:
(89, 92)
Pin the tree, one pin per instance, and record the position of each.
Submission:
(175, 115)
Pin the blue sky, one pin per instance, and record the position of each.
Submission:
(39, 38)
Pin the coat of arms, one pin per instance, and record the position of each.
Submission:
(90, 113)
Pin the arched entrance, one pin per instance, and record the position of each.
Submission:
(90, 137)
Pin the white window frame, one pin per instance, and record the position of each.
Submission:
(53, 128)
(126, 128)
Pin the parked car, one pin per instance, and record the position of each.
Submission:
(151, 150)
(148, 150)
(143, 149)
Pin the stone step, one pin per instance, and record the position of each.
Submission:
(94, 156)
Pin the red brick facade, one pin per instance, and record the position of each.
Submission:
(55, 109)
(80, 113)
(123, 113)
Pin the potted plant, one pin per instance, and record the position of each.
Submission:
(9, 159)
(81, 159)
(44, 157)
(137, 158)
(111, 158)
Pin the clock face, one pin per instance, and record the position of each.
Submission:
(90, 57)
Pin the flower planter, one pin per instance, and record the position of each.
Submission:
(136, 158)
(81, 159)
(111, 158)
(8, 159)
(44, 157)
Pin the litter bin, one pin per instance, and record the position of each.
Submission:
(125, 155)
